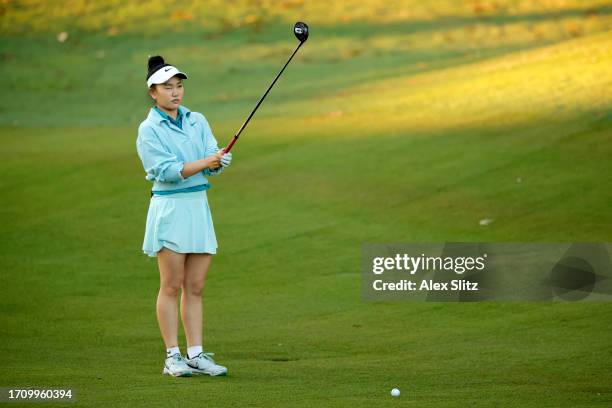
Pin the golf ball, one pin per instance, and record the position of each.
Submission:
(395, 392)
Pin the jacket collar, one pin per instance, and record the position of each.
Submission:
(155, 116)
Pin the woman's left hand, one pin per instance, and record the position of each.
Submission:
(226, 159)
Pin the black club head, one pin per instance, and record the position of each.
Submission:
(301, 31)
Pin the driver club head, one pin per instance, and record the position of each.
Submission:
(301, 31)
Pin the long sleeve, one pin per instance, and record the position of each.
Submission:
(210, 145)
(159, 164)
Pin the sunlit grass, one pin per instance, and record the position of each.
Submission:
(116, 17)
(547, 84)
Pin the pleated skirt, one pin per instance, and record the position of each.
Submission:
(181, 222)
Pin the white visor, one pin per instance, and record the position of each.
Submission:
(163, 74)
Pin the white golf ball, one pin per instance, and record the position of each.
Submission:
(395, 392)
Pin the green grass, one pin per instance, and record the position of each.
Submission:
(381, 130)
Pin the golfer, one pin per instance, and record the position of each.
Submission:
(178, 152)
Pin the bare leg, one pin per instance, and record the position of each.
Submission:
(196, 268)
(171, 273)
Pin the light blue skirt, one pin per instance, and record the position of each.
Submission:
(181, 222)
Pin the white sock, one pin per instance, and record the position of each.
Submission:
(172, 351)
(193, 351)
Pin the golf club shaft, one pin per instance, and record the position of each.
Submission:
(229, 147)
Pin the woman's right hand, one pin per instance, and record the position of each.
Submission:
(214, 161)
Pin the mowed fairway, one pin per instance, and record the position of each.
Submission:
(377, 132)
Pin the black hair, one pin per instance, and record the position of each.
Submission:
(155, 63)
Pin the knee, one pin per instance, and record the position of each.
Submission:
(170, 288)
(193, 288)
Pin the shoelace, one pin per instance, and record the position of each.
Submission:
(207, 356)
(178, 358)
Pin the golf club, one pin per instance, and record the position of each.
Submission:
(301, 33)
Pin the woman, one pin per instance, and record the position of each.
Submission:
(178, 152)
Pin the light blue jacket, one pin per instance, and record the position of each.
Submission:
(163, 149)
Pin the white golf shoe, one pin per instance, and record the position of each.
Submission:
(204, 364)
(176, 366)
